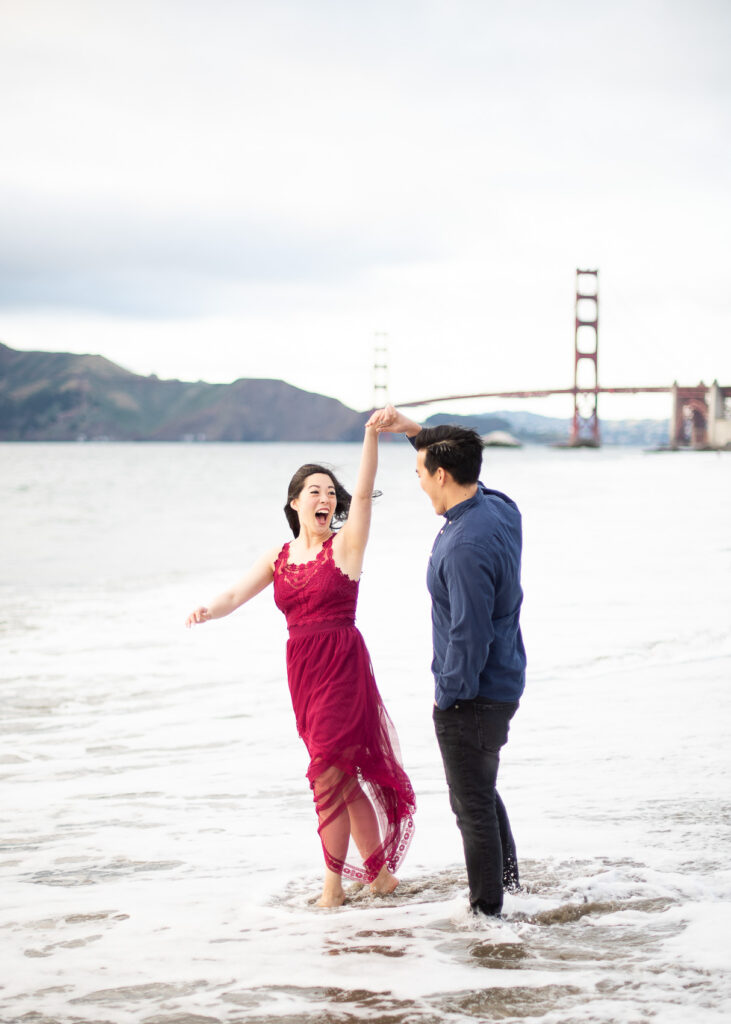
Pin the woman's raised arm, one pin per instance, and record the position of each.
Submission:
(259, 576)
(350, 543)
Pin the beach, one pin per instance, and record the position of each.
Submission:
(160, 861)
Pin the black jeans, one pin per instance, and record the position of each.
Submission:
(470, 735)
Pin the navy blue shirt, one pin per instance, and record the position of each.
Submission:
(474, 582)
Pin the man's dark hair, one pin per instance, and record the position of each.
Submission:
(458, 450)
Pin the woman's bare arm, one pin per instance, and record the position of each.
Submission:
(259, 576)
(350, 543)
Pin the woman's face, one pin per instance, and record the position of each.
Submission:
(315, 504)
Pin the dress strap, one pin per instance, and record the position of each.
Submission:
(282, 557)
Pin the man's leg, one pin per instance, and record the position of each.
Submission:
(511, 878)
(470, 735)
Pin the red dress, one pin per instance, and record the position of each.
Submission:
(339, 712)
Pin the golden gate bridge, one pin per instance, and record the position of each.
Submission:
(700, 418)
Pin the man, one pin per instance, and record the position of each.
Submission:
(479, 658)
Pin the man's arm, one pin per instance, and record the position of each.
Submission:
(391, 421)
(469, 578)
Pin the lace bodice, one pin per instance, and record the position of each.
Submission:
(314, 591)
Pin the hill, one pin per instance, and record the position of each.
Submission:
(533, 428)
(58, 396)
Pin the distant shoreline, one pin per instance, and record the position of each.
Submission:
(63, 397)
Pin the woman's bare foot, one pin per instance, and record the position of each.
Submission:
(384, 883)
(332, 891)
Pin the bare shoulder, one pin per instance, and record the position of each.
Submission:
(348, 557)
(265, 563)
(346, 538)
(270, 557)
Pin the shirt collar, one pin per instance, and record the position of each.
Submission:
(458, 510)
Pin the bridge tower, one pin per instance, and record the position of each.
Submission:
(690, 416)
(380, 370)
(585, 427)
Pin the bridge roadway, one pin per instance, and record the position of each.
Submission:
(538, 394)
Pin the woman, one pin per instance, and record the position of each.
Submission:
(359, 786)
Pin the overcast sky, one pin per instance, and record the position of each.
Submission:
(214, 189)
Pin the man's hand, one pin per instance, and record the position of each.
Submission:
(391, 421)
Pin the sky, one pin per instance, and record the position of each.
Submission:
(216, 189)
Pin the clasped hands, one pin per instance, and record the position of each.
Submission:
(389, 420)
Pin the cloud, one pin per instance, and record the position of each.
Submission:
(301, 174)
(131, 262)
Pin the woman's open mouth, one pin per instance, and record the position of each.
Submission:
(322, 517)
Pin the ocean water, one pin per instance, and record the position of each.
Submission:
(159, 859)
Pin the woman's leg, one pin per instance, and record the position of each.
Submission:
(366, 834)
(343, 809)
(334, 830)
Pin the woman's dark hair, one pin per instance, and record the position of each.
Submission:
(456, 449)
(295, 489)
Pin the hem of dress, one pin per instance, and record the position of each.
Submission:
(377, 860)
